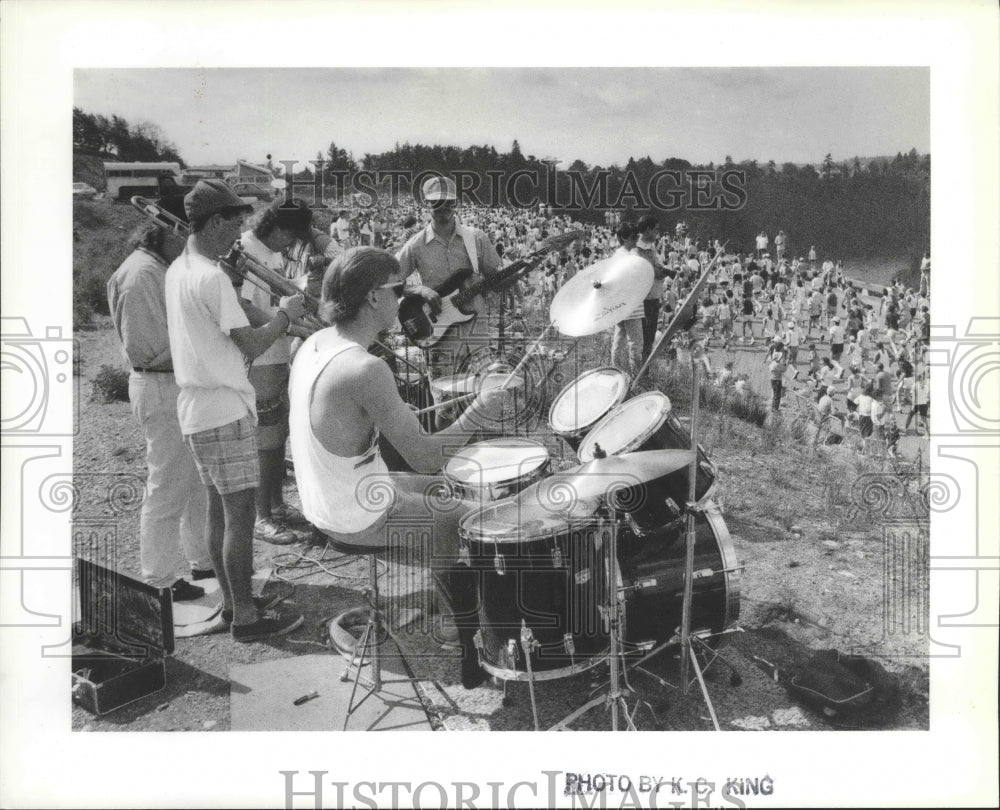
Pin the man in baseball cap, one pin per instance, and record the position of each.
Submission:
(444, 256)
(212, 197)
(435, 189)
(210, 342)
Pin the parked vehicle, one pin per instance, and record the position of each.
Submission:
(84, 191)
(253, 190)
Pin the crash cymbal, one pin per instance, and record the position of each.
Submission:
(602, 476)
(601, 295)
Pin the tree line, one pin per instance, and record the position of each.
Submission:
(117, 139)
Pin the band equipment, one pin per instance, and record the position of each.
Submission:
(542, 585)
(646, 423)
(424, 328)
(496, 469)
(600, 296)
(582, 403)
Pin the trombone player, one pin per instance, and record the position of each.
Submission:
(209, 338)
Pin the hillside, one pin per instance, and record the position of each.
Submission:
(89, 169)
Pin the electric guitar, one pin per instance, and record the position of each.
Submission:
(425, 329)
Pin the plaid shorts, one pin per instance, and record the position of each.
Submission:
(226, 456)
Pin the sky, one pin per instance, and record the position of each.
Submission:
(599, 115)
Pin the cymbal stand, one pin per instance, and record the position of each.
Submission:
(688, 656)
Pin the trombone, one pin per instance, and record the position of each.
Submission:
(238, 261)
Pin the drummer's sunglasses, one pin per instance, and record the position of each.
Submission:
(438, 205)
(395, 286)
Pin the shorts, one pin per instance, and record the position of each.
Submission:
(920, 409)
(226, 456)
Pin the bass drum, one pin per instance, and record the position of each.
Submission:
(652, 572)
(539, 573)
(585, 401)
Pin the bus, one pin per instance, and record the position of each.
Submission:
(126, 180)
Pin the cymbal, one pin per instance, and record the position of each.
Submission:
(473, 383)
(601, 295)
(602, 476)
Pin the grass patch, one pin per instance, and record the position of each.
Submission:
(110, 385)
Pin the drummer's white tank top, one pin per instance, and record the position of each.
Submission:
(339, 494)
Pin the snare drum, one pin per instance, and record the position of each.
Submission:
(543, 578)
(496, 469)
(653, 577)
(586, 400)
(645, 422)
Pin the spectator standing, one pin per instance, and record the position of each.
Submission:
(172, 518)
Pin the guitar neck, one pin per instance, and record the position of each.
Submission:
(512, 270)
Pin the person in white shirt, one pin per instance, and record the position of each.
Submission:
(341, 229)
(209, 338)
(343, 399)
(626, 340)
(172, 518)
(836, 339)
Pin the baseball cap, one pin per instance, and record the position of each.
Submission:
(211, 196)
(439, 188)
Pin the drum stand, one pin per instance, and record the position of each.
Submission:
(615, 698)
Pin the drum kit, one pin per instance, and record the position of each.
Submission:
(612, 560)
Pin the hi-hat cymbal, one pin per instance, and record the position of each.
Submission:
(601, 295)
(602, 476)
(474, 383)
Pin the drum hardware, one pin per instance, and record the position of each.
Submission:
(614, 700)
(528, 644)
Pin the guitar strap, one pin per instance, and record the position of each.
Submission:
(469, 239)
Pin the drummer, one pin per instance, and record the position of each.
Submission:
(341, 399)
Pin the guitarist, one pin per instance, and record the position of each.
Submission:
(441, 258)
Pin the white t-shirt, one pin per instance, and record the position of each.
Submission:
(278, 352)
(202, 309)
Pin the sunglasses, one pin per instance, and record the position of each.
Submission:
(439, 205)
(395, 286)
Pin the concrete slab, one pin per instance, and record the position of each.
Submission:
(262, 698)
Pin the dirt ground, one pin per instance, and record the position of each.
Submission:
(821, 572)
